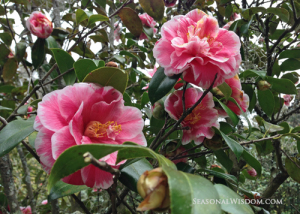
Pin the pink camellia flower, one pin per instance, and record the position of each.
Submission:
(287, 99)
(195, 46)
(39, 25)
(149, 22)
(240, 97)
(252, 172)
(26, 210)
(117, 31)
(84, 114)
(149, 73)
(44, 202)
(202, 118)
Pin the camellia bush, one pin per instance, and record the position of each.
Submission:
(149, 106)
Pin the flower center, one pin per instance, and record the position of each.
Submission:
(96, 129)
(195, 116)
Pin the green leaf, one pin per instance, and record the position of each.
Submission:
(224, 159)
(226, 193)
(108, 76)
(221, 175)
(284, 86)
(226, 127)
(228, 11)
(10, 69)
(102, 3)
(80, 16)
(293, 76)
(245, 27)
(64, 62)
(154, 8)
(131, 174)
(272, 127)
(286, 128)
(230, 113)
(278, 33)
(6, 37)
(225, 89)
(252, 73)
(61, 189)
(290, 64)
(233, 145)
(4, 108)
(31, 139)
(96, 18)
(252, 161)
(160, 85)
(190, 188)
(184, 167)
(13, 133)
(51, 42)
(71, 160)
(266, 101)
(292, 169)
(119, 59)
(145, 99)
(83, 67)
(20, 50)
(148, 32)
(38, 52)
(291, 53)
(131, 20)
(281, 12)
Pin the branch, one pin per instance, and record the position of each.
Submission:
(81, 204)
(284, 116)
(121, 196)
(290, 158)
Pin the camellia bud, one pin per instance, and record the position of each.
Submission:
(158, 110)
(252, 172)
(111, 64)
(217, 92)
(39, 25)
(215, 143)
(263, 85)
(170, 3)
(153, 187)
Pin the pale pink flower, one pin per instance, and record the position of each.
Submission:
(26, 210)
(117, 31)
(39, 25)
(84, 114)
(44, 202)
(202, 118)
(238, 94)
(195, 46)
(227, 26)
(252, 172)
(170, 3)
(148, 22)
(287, 99)
(149, 73)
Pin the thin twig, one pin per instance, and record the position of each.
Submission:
(290, 158)
(81, 204)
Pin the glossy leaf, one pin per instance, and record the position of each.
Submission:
(281, 12)
(13, 133)
(131, 174)
(61, 189)
(291, 53)
(10, 69)
(266, 101)
(221, 175)
(51, 42)
(145, 99)
(284, 86)
(224, 159)
(290, 64)
(80, 16)
(131, 20)
(226, 90)
(72, 160)
(20, 50)
(226, 193)
(108, 76)
(5, 37)
(184, 167)
(292, 168)
(154, 8)
(160, 85)
(83, 67)
(64, 62)
(293, 76)
(38, 52)
(4, 108)
(189, 188)
(286, 128)
(96, 18)
(3, 53)
(234, 118)
(252, 161)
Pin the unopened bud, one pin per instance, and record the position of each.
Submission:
(153, 187)
(263, 85)
(111, 64)
(158, 110)
(252, 172)
(217, 92)
(215, 143)
(170, 3)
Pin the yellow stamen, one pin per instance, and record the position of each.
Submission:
(195, 116)
(99, 130)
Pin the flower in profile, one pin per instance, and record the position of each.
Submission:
(149, 73)
(195, 46)
(148, 22)
(26, 210)
(117, 31)
(153, 187)
(237, 93)
(202, 118)
(85, 114)
(287, 99)
(39, 25)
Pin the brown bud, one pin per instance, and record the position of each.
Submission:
(215, 143)
(158, 110)
(263, 85)
(217, 92)
(111, 64)
(153, 187)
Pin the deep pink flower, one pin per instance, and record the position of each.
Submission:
(149, 22)
(117, 31)
(202, 118)
(39, 25)
(83, 114)
(25, 210)
(252, 172)
(238, 94)
(287, 99)
(195, 46)
(150, 74)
